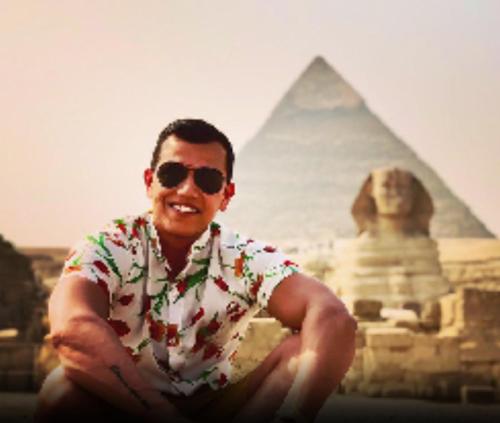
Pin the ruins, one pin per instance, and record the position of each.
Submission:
(22, 311)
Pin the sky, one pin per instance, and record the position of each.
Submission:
(86, 86)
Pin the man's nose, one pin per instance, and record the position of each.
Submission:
(188, 186)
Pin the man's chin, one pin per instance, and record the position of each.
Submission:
(173, 231)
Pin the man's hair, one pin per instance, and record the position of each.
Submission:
(195, 131)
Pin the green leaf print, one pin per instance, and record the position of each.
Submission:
(111, 263)
(193, 280)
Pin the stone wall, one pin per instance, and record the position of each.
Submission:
(463, 353)
(17, 366)
(471, 262)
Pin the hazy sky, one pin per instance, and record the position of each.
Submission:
(87, 85)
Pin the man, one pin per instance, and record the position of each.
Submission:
(149, 312)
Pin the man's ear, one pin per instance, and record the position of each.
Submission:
(148, 180)
(229, 192)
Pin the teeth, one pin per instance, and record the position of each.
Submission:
(184, 209)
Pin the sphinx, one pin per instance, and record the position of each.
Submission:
(393, 259)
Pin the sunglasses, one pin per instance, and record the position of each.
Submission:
(208, 179)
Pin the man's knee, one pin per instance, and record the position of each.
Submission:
(60, 398)
(290, 346)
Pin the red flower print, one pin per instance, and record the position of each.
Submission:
(289, 263)
(156, 330)
(182, 286)
(211, 350)
(120, 327)
(172, 335)
(232, 307)
(215, 230)
(200, 342)
(135, 232)
(140, 222)
(118, 242)
(126, 299)
(269, 249)
(101, 266)
(122, 228)
(221, 283)
(238, 266)
(234, 311)
(134, 357)
(222, 380)
(104, 286)
(199, 314)
(236, 317)
(75, 268)
(213, 326)
(254, 288)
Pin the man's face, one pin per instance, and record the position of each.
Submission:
(392, 191)
(185, 211)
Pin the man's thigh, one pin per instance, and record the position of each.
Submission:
(60, 399)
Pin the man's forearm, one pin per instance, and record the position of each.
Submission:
(94, 358)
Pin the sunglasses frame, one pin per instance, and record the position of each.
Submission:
(199, 178)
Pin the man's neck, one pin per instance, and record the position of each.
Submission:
(176, 250)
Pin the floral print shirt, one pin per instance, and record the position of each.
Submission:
(182, 332)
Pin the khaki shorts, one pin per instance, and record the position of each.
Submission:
(207, 404)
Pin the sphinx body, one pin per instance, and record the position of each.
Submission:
(393, 260)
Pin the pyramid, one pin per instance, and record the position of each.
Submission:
(298, 176)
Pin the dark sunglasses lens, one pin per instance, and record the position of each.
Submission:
(171, 174)
(209, 180)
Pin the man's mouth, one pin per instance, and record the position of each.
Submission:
(184, 208)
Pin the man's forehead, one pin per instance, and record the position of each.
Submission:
(211, 153)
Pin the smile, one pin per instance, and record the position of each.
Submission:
(184, 208)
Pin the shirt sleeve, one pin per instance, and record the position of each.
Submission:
(264, 267)
(101, 258)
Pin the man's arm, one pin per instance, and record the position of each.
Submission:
(327, 333)
(92, 354)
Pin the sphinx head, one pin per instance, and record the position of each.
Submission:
(392, 199)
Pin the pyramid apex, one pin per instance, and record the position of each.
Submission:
(320, 87)
(319, 61)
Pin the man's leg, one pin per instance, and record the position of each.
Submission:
(60, 399)
(269, 384)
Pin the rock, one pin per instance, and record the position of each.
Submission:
(367, 309)
(389, 338)
(477, 394)
(398, 314)
(430, 317)
(398, 390)
(414, 306)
